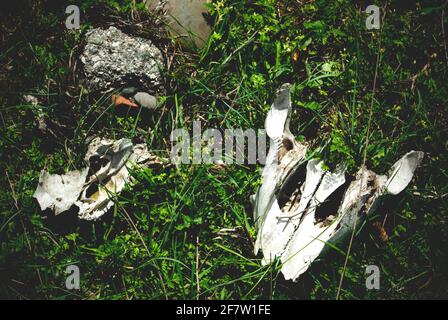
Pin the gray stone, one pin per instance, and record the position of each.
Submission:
(113, 59)
(146, 100)
(128, 92)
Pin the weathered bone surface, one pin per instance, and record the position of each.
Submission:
(112, 158)
(59, 192)
(91, 188)
(300, 207)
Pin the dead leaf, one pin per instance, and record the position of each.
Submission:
(118, 100)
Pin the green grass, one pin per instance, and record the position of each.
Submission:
(163, 238)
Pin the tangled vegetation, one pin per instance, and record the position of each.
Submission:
(163, 238)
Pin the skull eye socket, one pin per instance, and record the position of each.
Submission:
(96, 163)
(330, 207)
(287, 144)
(289, 193)
(91, 190)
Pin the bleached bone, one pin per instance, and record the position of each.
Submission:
(91, 188)
(59, 192)
(282, 145)
(290, 199)
(402, 171)
(117, 157)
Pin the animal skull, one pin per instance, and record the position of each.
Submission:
(107, 172)
(292, 207)
(113, 159)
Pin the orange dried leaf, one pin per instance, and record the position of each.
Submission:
(118, 100)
